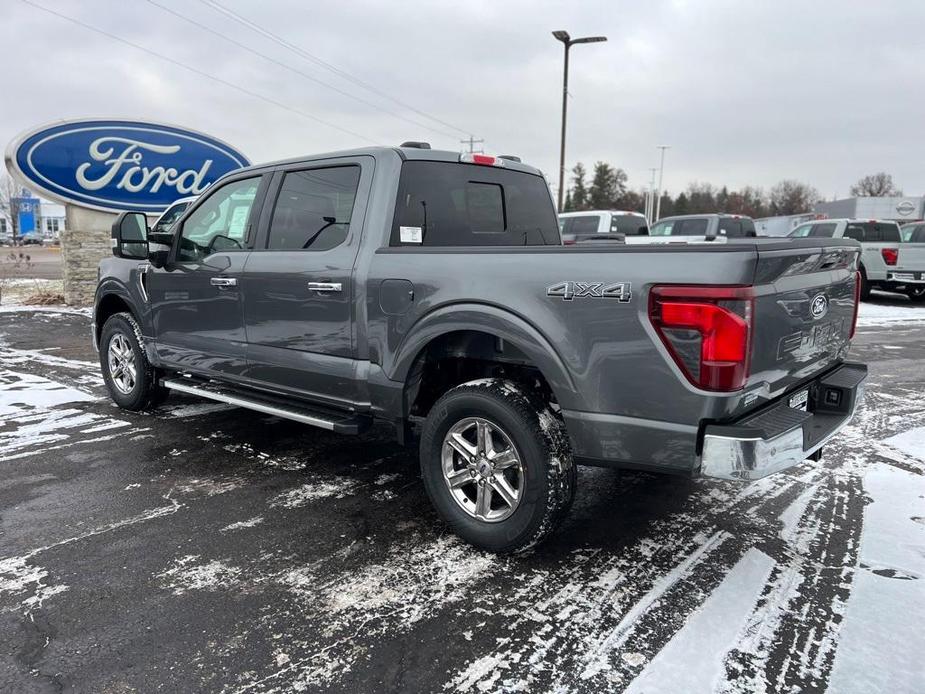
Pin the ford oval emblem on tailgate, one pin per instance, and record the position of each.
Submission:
(118, 165)
(820, 306)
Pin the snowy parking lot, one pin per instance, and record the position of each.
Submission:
(208, 548)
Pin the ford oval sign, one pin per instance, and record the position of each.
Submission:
(117, 165)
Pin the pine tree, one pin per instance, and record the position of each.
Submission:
(579, 191)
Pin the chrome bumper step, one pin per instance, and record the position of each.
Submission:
(324, 418)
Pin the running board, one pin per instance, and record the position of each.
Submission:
(332, 420)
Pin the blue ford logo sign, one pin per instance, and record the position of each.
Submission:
(819, 306)
(118, 165)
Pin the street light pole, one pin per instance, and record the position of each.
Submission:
(661, 171)
(650, 210)
(568, 42)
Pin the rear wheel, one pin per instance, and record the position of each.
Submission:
(916, 292)
(497, 465)
(129, 376)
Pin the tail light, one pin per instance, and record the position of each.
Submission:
(857, 303)
(890, 255)
(707, 331)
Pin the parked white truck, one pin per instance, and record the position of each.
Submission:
(887, 262)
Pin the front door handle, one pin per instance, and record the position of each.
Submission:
(223, 282)
(325, 286)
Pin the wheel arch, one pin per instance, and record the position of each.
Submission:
(476, 330)
(111, 299)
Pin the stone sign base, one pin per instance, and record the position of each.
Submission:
(83, 245)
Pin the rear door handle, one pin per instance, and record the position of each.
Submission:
(223, 282)
(325, 286)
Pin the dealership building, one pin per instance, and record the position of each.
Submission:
(901, 209)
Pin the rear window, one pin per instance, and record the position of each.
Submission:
(873, 231)
(586, 224)
(681, 227)
(629, 224)
(729, 227)
(313, 209)
(443, 204)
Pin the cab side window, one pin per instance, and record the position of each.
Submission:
(221, 222)
(313, 209)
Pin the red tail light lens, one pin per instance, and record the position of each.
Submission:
(857, 304)
(707, 331)
(890, 255)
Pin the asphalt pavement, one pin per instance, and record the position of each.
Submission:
(208, 548)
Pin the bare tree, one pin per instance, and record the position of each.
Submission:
(792, 197)
(876, 185)
(8, 192)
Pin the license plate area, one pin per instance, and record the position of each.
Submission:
(799, 401)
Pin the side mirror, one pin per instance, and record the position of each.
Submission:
(130, 236)
(159, 243)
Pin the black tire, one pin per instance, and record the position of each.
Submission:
(539, 437)
(916, 293)
(865, 286)
(145, 393)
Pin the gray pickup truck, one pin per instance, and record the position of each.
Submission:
(430, 291)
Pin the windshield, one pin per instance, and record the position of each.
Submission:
(696, 226)
(584, 224)
(629, 224)
(171, 215)
(813, 230)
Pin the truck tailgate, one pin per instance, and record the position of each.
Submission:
(911, 260)
(804, 311)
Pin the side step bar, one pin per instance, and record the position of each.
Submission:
(341, 423)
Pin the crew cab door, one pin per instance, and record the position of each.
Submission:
(299, 300)
(195, 299)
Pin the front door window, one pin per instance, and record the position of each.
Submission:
(220, 223)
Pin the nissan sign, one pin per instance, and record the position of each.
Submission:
(906, 208)
(118, 165)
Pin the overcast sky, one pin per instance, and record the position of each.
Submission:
(744, 92)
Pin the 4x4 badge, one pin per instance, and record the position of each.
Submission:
(621, 291)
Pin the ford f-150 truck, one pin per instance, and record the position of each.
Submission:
(430, 291)
(886, 262)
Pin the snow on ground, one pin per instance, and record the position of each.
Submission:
(898, 312)
(910, 442)
(692, 661)
(886, 610)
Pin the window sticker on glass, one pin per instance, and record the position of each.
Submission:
(410, 234)
(238, 221)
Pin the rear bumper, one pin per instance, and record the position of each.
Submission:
(906, 277)
(779, 436)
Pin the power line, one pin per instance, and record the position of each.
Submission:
(296, 70)
(195, 70)
(214, 4)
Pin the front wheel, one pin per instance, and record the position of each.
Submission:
(129, 376)
(497, 465)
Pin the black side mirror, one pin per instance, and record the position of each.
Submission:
(130, 236)
(159, 243)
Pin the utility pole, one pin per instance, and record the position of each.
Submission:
(568, 42)
(661, 171)
(472, 142)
